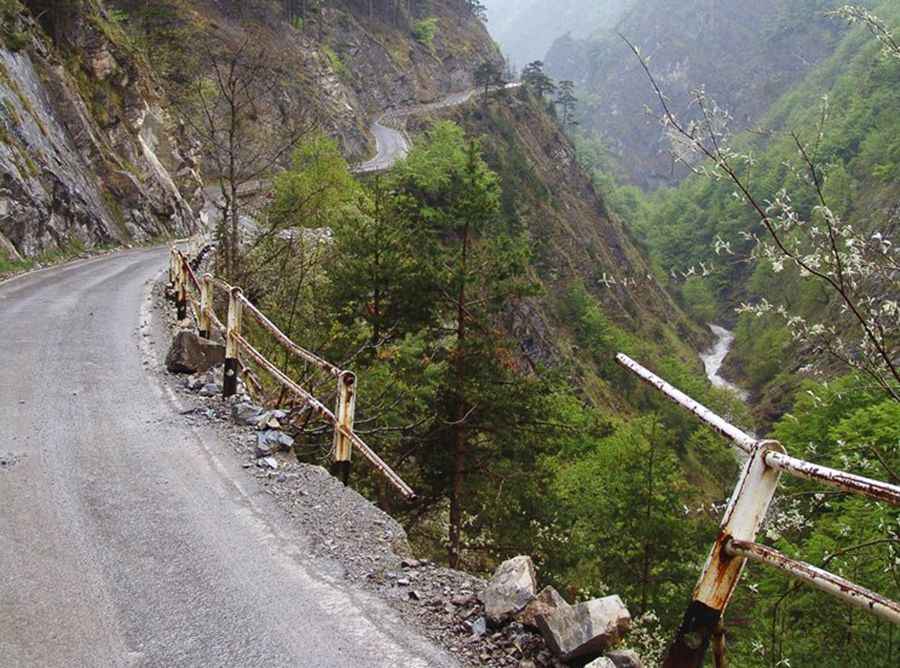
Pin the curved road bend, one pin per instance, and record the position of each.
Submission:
(392, 145)
(130, 539)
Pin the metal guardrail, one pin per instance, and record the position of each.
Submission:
(744, 515)
(198, 294)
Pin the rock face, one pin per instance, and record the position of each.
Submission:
(191, 354)
(86, 152)
(586, 629)
(545, 604)
(512, 588)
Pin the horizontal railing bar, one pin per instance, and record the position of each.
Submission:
(741, 439)
(222, 285)
(378, 463)
(279, 375)
(361, 445)
(285, 341)
(875, 489)
(849, 592)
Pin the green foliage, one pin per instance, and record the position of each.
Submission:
(425, 30)
(335, 61)
(844, 426)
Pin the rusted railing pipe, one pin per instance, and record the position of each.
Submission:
(285, 341)
(377, 463)
(741, 439)
(744, 515)
(232, 337)
(848, 482)
(847, 591)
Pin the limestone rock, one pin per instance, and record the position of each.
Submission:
(191, 354)
(625, 658)
(544, 604)
(512, 588)
(586, 629)
(602, 662)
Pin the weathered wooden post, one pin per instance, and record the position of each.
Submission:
(743, 517)
(235, 310)
(344, 414)
(206, 305)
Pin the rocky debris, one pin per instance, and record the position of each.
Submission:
(586, 629)
(246, 414)
(271, 441)
(268, 463)
(191, 354)
(625, 658)
(512, 587)
(545, 603)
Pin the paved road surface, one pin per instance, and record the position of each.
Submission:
(130, 539)
(392, 145)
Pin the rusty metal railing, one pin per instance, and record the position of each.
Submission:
(188, 290)
(744, 515)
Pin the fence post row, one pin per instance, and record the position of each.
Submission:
(743, 517)
(344, 416)
(232, 346)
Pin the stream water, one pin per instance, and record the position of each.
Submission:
(715, 356)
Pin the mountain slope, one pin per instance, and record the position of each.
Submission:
(745, 56)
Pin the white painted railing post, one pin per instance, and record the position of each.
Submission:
(180, 287)
(344, 414)
(743, 518)
(206, 306)
(229, 381)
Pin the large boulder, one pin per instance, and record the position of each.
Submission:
(586, 629)
(625, 658)
(510, 590)
(191, 354)
(543, 605)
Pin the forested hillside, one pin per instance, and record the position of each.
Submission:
(744, 54)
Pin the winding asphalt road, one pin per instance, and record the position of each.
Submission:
(392, 144)
(128, 538)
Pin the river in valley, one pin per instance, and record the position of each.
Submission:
(715, 356)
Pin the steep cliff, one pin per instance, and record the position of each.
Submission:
(87, 154)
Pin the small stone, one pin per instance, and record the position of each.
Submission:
(268, 462)
(410, 563)
(478, 627)
(246, 414)
(403, 582)
(415, 595)
(211, 390)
